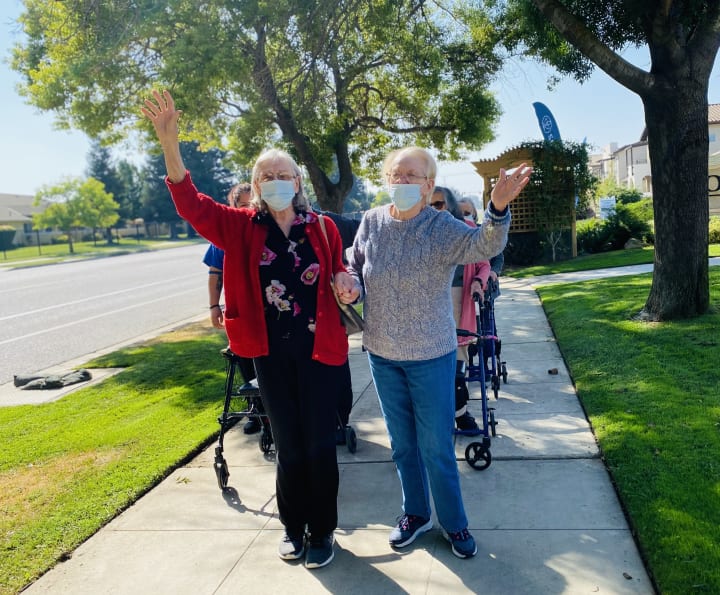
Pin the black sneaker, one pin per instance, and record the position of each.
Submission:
(463, 544)
(340, 437)
(320, 551)
(292, 547)
(466, 425)
(252, 426)
(409, 527)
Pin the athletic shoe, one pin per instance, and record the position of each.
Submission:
(463, 544)
(292, 547)
(466, 425)
(320, 552)
(252, 426)
(409, 528)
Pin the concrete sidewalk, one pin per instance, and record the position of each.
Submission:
(545, 514)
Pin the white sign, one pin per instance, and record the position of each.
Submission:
(607, 206)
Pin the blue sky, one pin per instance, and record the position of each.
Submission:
(33, 153)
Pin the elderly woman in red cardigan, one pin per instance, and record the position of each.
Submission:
(280, 311)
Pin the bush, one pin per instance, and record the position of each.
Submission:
(595, 235)
(523, 249)
(714, 236)
(61, 239)
(628, 196)
(592, 236)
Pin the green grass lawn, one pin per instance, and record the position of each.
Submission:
(29, 255)
(617, 258)
(70, 466)
(652, 394)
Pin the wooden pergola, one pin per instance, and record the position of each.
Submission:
(524, 207)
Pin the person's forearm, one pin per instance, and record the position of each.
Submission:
(214, 288)
(173, 162)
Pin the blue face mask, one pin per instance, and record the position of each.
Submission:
(277, 194)
(404, 196)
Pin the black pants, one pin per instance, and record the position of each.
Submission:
(345, 396)
(301, 397)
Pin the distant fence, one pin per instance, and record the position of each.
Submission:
(45, 238)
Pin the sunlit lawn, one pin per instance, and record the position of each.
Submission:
(70, 466)
(652, 394)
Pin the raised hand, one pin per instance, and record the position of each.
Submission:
(508, 187)
(164, 117)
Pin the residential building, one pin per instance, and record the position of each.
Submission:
(16, 210)
(630, 165)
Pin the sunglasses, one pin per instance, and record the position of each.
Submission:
(438, 204)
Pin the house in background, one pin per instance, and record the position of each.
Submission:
(16, 210)
(630, 165)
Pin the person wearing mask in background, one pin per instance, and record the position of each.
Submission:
(279, 310)
(468, 279)
(467, 207)
(404, 257)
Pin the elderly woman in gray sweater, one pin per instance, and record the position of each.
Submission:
(403, 259)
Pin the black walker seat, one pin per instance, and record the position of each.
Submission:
(236, 368)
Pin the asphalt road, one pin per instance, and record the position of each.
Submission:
(59, 313)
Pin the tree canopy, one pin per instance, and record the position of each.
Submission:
(339, 83)
(76, 203)
(682, 37)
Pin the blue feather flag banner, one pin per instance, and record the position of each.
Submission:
(547, 122)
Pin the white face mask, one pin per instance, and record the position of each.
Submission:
(404, 196)
(469, 218)
(277, 194)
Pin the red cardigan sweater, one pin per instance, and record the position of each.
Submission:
(234, 231)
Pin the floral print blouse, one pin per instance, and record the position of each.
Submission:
(288, 277)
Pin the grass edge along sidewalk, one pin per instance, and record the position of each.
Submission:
(650, 393)
(72, 465)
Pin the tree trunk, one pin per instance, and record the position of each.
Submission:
(330, 196)
(677, 126)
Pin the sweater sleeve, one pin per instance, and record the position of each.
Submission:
(212, 220)
(336, 245)
(471, 244)
(356, 260)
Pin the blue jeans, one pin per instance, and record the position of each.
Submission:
(418, 403)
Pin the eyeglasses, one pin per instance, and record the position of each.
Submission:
(396, 177)
(438, 204)
(270, 176)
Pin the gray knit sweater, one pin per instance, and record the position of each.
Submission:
(406, 268)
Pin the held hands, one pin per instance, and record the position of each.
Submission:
(508, 187)
(163, 115)
(346, 288)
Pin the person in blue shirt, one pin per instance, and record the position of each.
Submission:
(238, 197)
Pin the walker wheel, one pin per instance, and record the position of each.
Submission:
(221, 472)
(492, 423)
(350, 439)
(504, 373)
(266, 441)
(495, 386)
(478, 456)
